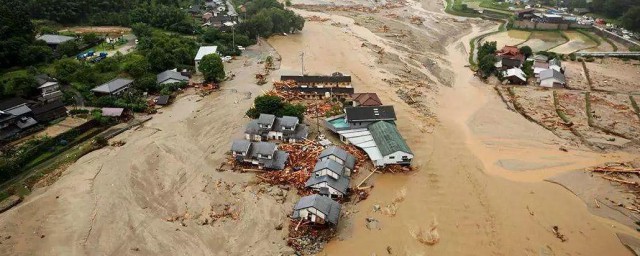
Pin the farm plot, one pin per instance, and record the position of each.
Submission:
(574, 106)
(574, 74)
(538, 104)
(544, 40)
(614, 113)
(613, 74)
(511, 37)
(577, 41)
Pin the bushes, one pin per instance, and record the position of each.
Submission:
(274, 105)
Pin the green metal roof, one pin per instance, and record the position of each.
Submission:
(387, 138)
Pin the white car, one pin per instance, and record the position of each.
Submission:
(226, 58)
(240, 47)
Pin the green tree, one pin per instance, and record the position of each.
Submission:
(265, 104)
(21, 86)
(487, 64)
(34, 54)
(68, 48)
(526, 50)
(159, 60)
(136, 67)
(65, 68)
(488, 48)
(91, 38)
(212, 68)
(296, 110)
(631, 19)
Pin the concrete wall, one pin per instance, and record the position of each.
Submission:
(526, 24)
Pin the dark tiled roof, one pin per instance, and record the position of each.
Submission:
(349, 160)
(113, 85)
(163, 100)
(370, 113)
(266, 119)
(323, 204)
(331, 165)
(240, 146)
(323, 90)
(367, 99)
(341, 184)
(47, 107)
(317, 79)
(11, 102)
(170, 74)
(511, 63)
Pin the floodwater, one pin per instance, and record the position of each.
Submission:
(458, 194)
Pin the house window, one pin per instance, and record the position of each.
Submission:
(392, 157)
(405, 157)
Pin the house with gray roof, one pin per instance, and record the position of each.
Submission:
(49, 88)
(340, 156)
(334, 187)
(54, 40)
(114, 87)
(270, 127)
(263, 154)
(393, 148)
(331, 168)
(15, 117)
(551, 78)
(317, 209)
(363, 116)
(170, 77)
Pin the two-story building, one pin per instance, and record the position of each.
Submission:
(270, 127)
(49, 88)
(15, 117)
(363, 116)
(313, 87)
(263, 154)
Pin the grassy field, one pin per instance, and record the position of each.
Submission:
(511, 37)
(544, 40)
(577, 41)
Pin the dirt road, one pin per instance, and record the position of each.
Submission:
(116, 201)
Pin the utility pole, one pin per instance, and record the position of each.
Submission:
(233, 35)
(302, 62)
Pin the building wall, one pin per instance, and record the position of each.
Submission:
(313, 214)
(326, 172)
(334, 158)
(332, 191)
(396, 158)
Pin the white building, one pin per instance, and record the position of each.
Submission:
(204, 51)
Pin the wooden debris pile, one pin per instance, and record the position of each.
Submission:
(307, 238)
(416, 20)
(394, 168)
(319, 109)
(302, 159)
(316, 18)
(624, 174)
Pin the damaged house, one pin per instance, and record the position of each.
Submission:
(318, 87)
(263, 154)
(330, 177)
(317, 209)
(270, 127)
(340, 156)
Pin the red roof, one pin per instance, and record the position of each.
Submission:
(511, 52)
(367, 99)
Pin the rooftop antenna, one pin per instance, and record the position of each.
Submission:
(302, 61)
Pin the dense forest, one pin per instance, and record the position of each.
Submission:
(153, 21)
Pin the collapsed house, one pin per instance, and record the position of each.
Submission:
(263, 154)
(317, 209)
(270, 127)
(340, 156)
(318, 87)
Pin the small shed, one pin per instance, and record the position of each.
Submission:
(112, 112)
(163, 100)
(204, 51)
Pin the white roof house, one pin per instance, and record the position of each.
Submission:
(552, 78)
(515, 75)
(204, 51)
